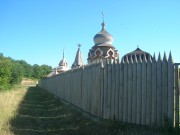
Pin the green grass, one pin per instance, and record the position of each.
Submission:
(9, 103)
(33, 111)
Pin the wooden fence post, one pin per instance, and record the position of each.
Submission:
(170, 89)
(159, 91)
(109, 78)
(177, 95)
(134, 91)
(113, 89)
(130, 88)
(121, 90)
(117, 90)
(164, 90)
(139, 90)
(154, 92)
(105, 94)
(125, 106)
(144, 91)
(149, 92)
(102, 88)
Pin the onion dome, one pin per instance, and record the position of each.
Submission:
(103, 38)
(139, 54)
(103, 49)
(63, 66)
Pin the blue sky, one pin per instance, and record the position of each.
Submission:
(37, 30)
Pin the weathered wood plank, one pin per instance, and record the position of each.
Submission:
(164, 90)
(66, 86)
(149, 92)
(121, 90)
(109, 91)
(86, 90)
(170, 89)
(61, 88)
(125, 106)
(134, 92)
(117, 92)
(105, 91)
(113, 88)
(83, 89)
(154, 92)
(98, 89)
(71, 88)
(139, 91)
(144, 91)
(102, 89)
(90, 88)
(159, 91)
(130, 87)
(93, 87)
(176, 96)
(80, 87)
(77, 87)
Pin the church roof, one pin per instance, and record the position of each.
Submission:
(78, 59)
(103, 38)
(63, 62)
(103, 47)
(138, 52)
(63, 65)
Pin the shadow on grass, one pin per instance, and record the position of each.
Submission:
(41, 113)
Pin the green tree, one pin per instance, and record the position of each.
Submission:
(45, 70)
(5, 74)
(12, 71)
(27, 69)
(16, 73)
(41, 71)
(37, 71)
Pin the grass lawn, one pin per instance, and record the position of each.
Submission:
(33, 111)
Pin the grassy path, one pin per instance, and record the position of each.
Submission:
(33, 111)
(42, 113)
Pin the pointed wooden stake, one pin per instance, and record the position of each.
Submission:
(159, 57)
(135, 59)
(170, 59)
(165, 58)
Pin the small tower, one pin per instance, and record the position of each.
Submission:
(103, 48)
(78, 59)
(63, 65)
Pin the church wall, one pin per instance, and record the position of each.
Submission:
(137, 92)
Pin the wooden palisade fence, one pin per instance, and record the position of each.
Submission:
(136, 91)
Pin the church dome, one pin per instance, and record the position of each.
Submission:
(139, 54)
(63, 62)
(103, 48)
(103, 38)
(63, 65)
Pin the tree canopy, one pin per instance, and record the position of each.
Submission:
(12, 71)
